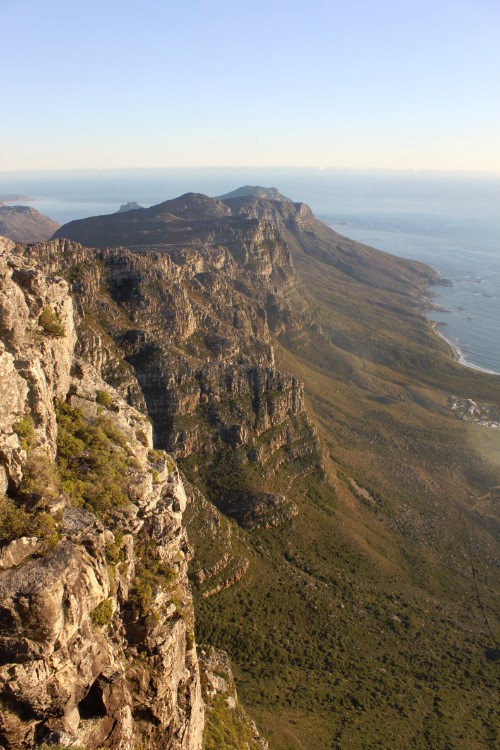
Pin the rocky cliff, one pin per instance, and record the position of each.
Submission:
(96, 636)
(195, 323)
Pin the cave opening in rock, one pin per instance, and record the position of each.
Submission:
(92, 706)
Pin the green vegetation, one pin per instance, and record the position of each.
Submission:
(151, 575)
(102, 614)
(92, 460)
(16, 522)
(155, 456)
(190, 639)
(51, 324)
(40, 485)
(103, 399)
(25, 431)
(225, 727)
(312, 629)
(41, 481)
(114, 552)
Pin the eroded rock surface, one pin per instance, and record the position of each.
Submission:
(96, 627)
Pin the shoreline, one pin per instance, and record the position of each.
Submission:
(430, 298)
(458, 355)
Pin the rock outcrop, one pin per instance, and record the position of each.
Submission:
(96, 637)
(130, 206)
(219, 692)
(36, 351)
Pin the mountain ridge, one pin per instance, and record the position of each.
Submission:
(25, 224)
(335, 495)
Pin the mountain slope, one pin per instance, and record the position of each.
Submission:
(352, 577)
(25, 224)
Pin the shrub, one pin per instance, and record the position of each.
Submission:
(51, 324)
(112, 579)
(151, 575)
(25, 432)
(142, 437)
(102, 614)
(155, 456)
(92, 460)
(103, 399)
(114, 552)
(46, 529)
(41, 482)
(226, 727)
(112, 431)
(14, 521)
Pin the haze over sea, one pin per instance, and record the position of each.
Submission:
(450, 221)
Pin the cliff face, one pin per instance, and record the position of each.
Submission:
(194, 323)
(35, 364)
(96, 634)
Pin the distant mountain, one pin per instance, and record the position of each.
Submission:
(25, 224)
(194, 218)
(9, 197)
(179, 220)
(256, 191)
(130, 206)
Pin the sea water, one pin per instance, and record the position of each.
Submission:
(449, 221)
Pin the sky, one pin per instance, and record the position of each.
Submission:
(392, 84)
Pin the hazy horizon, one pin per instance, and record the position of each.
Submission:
(277, 167)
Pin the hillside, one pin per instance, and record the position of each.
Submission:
(25, 224)
(343, 515)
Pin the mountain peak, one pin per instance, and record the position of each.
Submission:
(256, 191)
(130, 206)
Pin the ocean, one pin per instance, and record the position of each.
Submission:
(449, 221)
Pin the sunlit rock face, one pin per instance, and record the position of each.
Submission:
(96, 633)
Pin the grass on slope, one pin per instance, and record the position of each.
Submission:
(334, 646)
(371, 620)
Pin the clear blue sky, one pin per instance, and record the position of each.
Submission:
(334, 83)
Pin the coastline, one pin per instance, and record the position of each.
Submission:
(457, 354)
